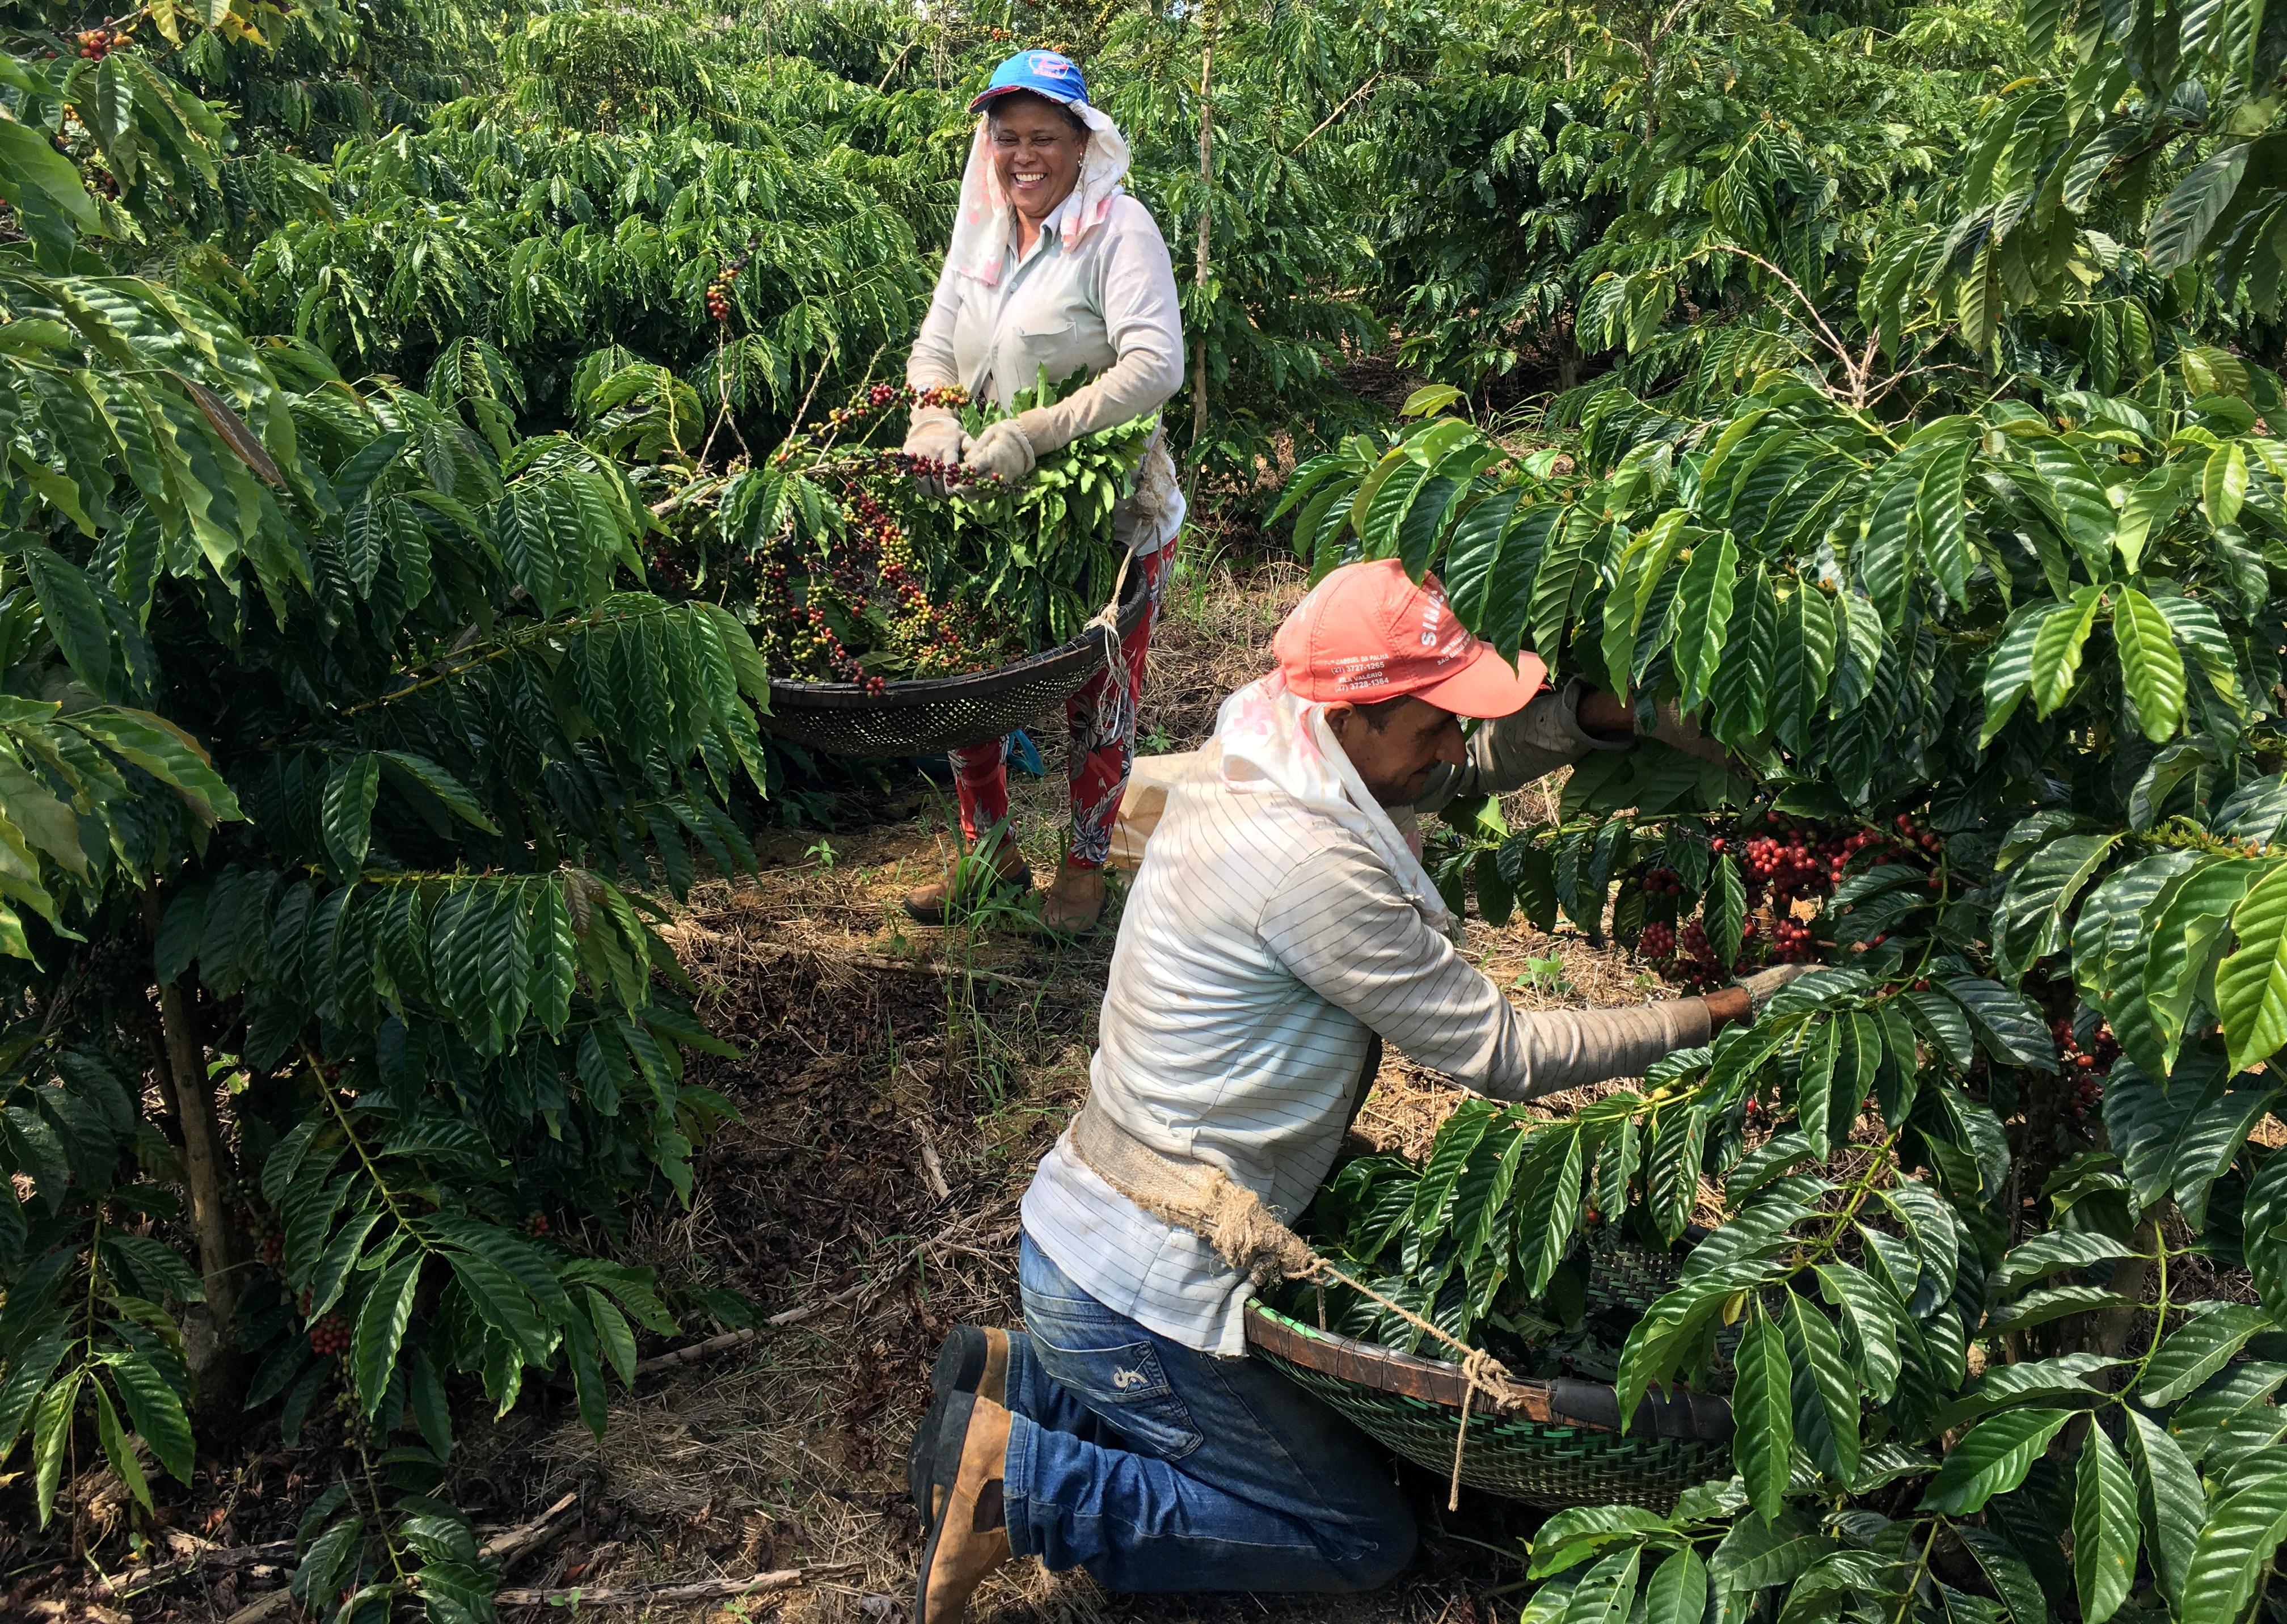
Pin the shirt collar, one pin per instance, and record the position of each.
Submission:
(1051, 227)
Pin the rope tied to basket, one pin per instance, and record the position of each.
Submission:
(1248, 1236)
(1107, 619)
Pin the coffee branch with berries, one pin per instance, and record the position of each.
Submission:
(855, 562)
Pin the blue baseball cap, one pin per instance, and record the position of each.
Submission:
(1044, 73)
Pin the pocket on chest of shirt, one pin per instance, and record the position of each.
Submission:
(1122, 1381)
(1043, 346)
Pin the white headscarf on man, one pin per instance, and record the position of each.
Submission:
(980, 225)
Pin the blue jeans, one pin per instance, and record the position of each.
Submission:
(1157, 1467)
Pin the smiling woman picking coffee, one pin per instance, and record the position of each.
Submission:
(1053, 270)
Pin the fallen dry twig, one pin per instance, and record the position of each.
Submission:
(506, 1546)
(933, 1168)
(671, 1595)
(729, 1339)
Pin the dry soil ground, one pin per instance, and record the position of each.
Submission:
(896, 1086)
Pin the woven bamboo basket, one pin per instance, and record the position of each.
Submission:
(1552, 1443)
(930, 716)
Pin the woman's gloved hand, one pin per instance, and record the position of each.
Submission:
(935, 437)
(1001, 449)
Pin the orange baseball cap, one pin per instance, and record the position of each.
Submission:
(1366, 633)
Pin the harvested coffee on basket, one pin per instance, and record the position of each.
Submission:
(861, 575)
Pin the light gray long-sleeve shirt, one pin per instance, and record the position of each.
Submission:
(1262, 947)
(1106, 306)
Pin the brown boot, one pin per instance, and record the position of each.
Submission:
(968, 1524)
(974, 1360)
(1074, 901)
(1003, 875)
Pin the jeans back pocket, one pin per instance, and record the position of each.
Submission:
(1124, 1384)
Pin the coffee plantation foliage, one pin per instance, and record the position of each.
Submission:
(1971, 556)
(392, 399)
(343, 747)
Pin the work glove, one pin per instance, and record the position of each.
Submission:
(1762, 986)
(935, 437)
(1001, 449)
(1675, 728)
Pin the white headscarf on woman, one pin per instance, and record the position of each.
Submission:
(980, 225)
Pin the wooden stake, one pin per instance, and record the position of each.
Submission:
(1199, 272)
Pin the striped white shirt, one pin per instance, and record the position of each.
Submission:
(1263, 946)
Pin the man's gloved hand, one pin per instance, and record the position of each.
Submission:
(1760, 986)
(1001, 449)
(1675, 728)
(935, 435)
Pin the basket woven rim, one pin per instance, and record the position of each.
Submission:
(938, 689)
(1561, 1401)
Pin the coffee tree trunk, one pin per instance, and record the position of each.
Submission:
(207, 1168)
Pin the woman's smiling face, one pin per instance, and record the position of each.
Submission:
(1036, 154)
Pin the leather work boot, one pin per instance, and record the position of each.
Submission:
(968, 1524)
(1074, 901)
(1005, 876)
(974, 1360)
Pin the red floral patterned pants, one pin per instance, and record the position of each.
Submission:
(1102, 720)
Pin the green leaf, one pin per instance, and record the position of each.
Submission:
(1740, 689)
(2057, 649)
(2187, 214)
(2149, 665)
(1814, 1100)
(1992, 1458)
(74, 614)
(1703, 600)
(1677, 1591)
(1578, 1533)
(117, 1448)
(1875, 1324)
(166, 752)
(2184, 940)
(2223, 483)
(2234, 1548)
(52, 1421)
(2169, 1498)
(2070, 492)
(2064, 1248)
(380, 1331)
(157, 1410)
(1672, 1177)
(1804, 665)
(352, 785)
(1763, 1409)
(1943, 510)
(2009, 669)
(2252, 982)
(2197, 1349)
(2104, 1529)
(1606, 1591)
(2152, 504)
(1561, 564)
(431, 781)
(1726, 909)
(1826, 1395)
(1755, 1555)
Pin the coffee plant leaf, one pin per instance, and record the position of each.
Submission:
(1764, 1410)
(1677, 1591)
(2195, 1350)
(2238, 1537)
(1992, 1458)
(2106, 1533)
